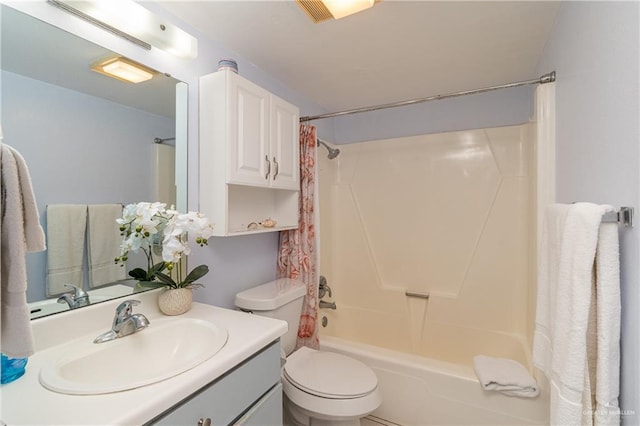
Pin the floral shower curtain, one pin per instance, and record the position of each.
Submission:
(297, 257)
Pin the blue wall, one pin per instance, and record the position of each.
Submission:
(595, 49)
(503, 107)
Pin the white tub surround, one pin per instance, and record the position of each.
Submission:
(27, 402)
(456, 225)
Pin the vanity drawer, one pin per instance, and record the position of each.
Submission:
(224, 400)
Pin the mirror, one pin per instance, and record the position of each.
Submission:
(86, 138)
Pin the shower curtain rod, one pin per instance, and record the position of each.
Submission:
(547, 78)
(160, 140)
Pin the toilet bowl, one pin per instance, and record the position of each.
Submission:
(320, 388)
(328, 386)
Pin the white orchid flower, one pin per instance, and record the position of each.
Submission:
(148, 225)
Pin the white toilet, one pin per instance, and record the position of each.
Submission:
(320, 388)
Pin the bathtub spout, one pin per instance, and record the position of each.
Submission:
(325, 305)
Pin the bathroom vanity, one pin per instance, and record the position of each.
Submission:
(239, 384)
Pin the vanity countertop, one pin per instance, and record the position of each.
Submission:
(26, 402)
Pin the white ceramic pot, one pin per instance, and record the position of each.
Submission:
(175, 301)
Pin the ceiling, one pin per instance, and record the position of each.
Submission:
(395, 51)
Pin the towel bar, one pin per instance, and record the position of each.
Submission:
(624, 216)
(418, 295)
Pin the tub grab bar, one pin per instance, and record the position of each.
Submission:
(418, 295)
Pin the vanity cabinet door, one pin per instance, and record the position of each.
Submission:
(249, 394)
(266, 412)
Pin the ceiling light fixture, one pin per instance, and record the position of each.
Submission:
(124, 69)
(341, 8)
(133, 22)
(323, 10)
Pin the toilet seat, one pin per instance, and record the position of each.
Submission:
(329, 386)
(329, 375)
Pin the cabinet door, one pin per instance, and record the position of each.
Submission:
(266, 412)
(285, 146)
(249, 160)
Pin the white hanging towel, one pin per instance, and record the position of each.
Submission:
(21, 233)
(568, 270)
(608, 311)
(505, 375)
(66, 227)
(104, 239)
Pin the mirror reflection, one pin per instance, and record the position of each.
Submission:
(89, 141)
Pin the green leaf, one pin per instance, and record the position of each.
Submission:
(139, 274)
(152, 284)
(166, 280)
(142, 275)
(158, 267)
(197, 273)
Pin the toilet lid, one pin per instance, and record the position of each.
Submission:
(328, 374)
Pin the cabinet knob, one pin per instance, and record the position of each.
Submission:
(275, 162)
(266, 175)
(204, 422)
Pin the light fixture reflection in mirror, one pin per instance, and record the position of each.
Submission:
(123, 69)
(87, 139)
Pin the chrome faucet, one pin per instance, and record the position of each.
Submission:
(324, 287)
(325, 305)
(125, 322)
(322, 290)
(77, 299)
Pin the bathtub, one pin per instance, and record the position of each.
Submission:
(428, 392)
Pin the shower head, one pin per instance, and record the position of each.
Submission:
(333, 152)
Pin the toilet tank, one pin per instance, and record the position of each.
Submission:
(280, 299)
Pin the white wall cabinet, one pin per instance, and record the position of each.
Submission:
(262, 136)
(251, 394)
(249, 156)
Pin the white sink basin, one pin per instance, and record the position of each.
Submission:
(167, 347)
